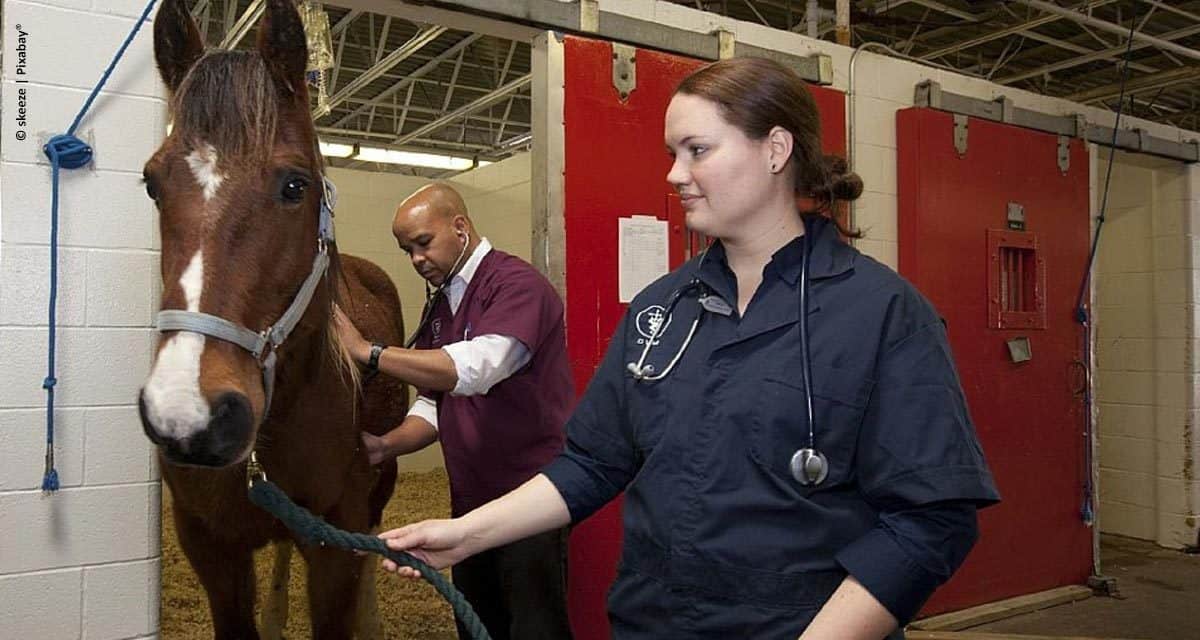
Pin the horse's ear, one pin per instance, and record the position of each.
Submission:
(177, 43)
(283, 45)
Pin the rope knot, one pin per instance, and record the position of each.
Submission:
(68, 151)
(49, 383)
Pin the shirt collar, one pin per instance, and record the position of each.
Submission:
(472, 264)
(831, 256)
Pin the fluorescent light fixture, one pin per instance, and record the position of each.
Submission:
(516, 141)
(414, 159)
(336, 149)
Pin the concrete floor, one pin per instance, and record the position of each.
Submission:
(1160, 599)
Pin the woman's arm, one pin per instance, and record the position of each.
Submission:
(851, 613)
(531, 508)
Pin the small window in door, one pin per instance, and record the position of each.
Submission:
(1016, 281)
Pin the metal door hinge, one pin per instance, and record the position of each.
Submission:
(960, 134)
(624, 67)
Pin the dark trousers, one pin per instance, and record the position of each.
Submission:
(519, 590)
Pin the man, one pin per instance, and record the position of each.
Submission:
(494, 386)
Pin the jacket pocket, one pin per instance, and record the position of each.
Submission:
(780, 427)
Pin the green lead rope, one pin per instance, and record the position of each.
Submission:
(312, 529)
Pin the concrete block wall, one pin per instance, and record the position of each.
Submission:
(84, 562)
(497, 196)
(1145, 350)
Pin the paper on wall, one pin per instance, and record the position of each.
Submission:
(642, 244)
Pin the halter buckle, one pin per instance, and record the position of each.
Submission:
(264, 352)
(254, 470)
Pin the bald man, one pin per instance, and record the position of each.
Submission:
(494, 386)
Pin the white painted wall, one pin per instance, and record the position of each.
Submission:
(81, 563)
(497, 197)
(1145, 346)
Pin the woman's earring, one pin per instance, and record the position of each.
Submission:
(772, 168)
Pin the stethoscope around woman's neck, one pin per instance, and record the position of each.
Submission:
(808, 466)
(431, 294)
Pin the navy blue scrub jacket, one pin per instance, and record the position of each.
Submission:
(719, 539)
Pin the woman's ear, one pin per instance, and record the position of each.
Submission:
(779, 148)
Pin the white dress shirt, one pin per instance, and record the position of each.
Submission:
(481, 362)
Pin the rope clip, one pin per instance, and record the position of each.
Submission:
(254, 470)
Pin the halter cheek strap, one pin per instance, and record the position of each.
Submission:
(264, 345)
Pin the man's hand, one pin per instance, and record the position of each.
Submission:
(359, 348)
(377, 448)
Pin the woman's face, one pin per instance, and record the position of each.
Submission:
(722, 176)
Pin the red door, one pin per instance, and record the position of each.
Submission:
(994, 281)
(616, 166)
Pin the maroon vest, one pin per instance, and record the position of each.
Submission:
(493, 443)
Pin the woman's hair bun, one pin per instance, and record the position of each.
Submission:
(843, 184)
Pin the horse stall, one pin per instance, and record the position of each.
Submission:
(99, 557)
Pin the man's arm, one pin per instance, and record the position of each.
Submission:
(417, 431)
(430, 369)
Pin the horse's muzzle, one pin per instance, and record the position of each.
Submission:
(222, 442)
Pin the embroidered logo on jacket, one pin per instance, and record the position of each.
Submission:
(649, 321)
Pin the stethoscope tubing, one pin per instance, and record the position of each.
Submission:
(431, 296)
(808, 465)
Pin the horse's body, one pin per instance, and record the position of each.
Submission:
(310, 447)
(239, 211)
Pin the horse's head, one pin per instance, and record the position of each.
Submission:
(238, 188)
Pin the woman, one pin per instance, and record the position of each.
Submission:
(742, 518)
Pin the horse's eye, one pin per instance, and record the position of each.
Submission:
(293, 189)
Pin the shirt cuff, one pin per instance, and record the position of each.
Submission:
(583, 491)
(888, 573)
(485, 361)
(426, 408)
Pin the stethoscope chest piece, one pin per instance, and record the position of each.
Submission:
(809, 467)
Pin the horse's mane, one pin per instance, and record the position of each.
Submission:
(229, 100)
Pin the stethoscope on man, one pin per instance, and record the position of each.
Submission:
(809, 466)
(431, 295)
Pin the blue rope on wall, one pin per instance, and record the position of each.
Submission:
(67, 151)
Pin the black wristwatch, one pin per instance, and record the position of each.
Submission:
(373, 360)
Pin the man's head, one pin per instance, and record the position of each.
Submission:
(433, 228)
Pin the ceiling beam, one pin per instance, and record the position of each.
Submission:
(243, 25)
(424, 37)
(1093, 57)
(418, 73)
(1104, 25)
(1136, 85)
(480, 103)
(1017, 29)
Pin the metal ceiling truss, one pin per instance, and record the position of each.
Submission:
(404, 84)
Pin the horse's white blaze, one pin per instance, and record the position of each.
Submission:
(203, 162)
(174, 405)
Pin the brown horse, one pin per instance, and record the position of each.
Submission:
(239, 188)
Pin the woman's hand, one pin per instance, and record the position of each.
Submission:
(438, 543)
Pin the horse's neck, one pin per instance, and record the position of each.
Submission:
(306, 373)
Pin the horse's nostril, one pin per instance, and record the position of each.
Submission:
(231, 407)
